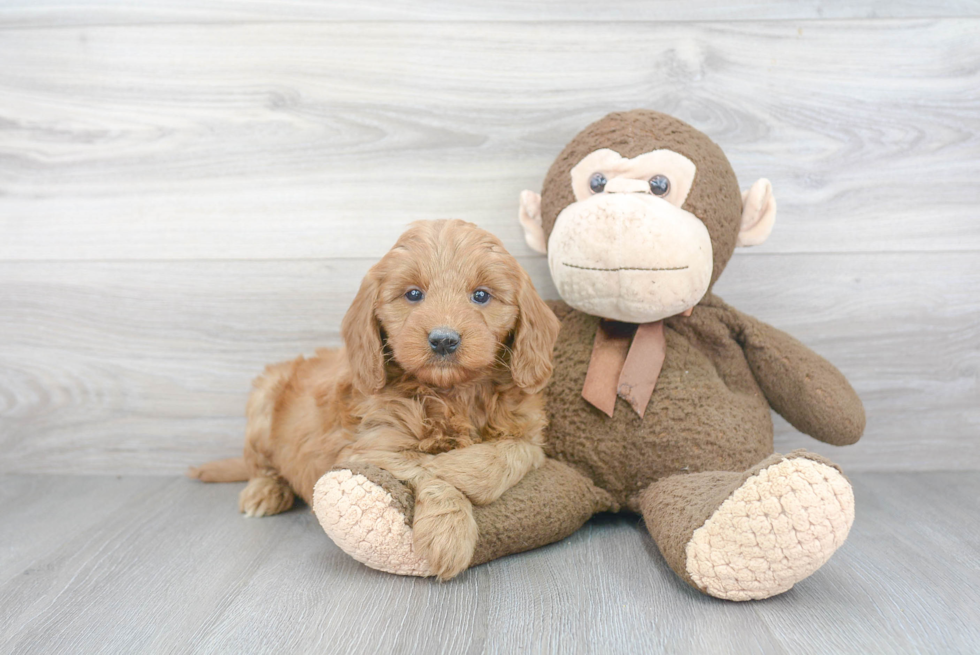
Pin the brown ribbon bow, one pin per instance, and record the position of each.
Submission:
(619, 368)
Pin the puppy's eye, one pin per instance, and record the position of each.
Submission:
(481, 296)
(659, 185)
(414, 295)
(597, 182)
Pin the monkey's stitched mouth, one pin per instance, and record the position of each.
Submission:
(624, 268)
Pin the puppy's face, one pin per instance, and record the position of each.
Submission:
(449, 300)
(448, 303)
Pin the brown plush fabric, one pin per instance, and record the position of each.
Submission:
(706, 414)
(550, 504)
(560, 308)
(801, 386)
(715, 197)
(708, 411)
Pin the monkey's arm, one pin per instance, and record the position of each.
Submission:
(803, 387)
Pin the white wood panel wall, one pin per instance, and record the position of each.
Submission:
(188, 192)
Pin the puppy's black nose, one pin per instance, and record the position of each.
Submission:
(444, 341)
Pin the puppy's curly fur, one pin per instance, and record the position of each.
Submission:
(460, 428)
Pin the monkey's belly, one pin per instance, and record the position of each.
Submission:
(695, 421)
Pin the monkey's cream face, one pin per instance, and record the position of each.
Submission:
(625, 249)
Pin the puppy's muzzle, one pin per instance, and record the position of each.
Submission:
(444, 341)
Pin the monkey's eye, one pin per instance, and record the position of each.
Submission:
(659, 185)
(414, 295)
(597, 182)
(481, 296)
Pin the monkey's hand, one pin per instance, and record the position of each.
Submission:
(803, 387)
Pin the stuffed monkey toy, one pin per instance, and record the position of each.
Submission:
(661, 394)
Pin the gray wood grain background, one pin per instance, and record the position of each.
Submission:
(188, 192)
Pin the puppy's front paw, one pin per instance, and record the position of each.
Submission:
(265, 497)
(485, 471)
(444, 527)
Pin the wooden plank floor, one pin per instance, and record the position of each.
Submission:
(158, 564)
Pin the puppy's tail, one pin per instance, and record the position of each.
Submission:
(220, 470)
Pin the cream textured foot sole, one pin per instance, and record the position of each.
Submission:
(365, 522)
(780, 526)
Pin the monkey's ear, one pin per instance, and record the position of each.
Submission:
(530, 217)
(758, 214)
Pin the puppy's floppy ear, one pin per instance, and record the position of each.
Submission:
(362, 336)
(534, 339)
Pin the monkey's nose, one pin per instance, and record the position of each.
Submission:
(444, 341)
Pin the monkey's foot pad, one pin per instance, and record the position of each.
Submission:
(780, 526)
(366, 523)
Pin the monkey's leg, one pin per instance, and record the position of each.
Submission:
(368, 514)
(750, 535)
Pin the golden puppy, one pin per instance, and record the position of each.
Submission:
(447, 347)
